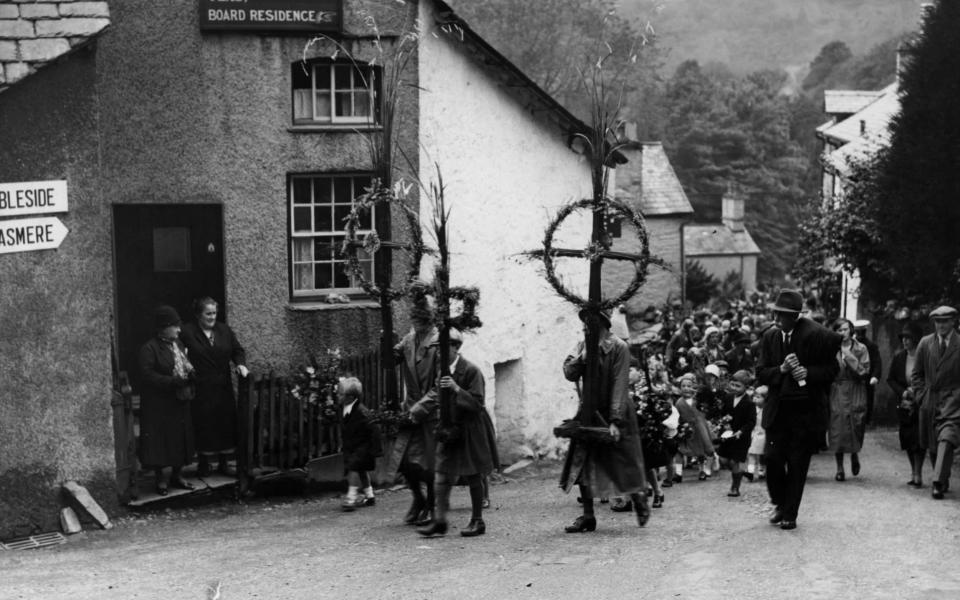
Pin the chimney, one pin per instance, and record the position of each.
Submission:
(628, 131)
(733, 213)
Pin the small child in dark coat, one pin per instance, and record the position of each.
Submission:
(361, 444)
(740, 415)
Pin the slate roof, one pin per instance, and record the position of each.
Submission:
(875, 118)
(840, 102)
(35, 33)
(717, 240)
(649, 183)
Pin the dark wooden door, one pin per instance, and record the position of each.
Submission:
(164, 254)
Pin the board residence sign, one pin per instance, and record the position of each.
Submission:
(310, 16)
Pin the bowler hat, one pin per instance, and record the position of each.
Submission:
(164, 316)
(603, 314)
(738, 336)
(943, 312)
(788, 301)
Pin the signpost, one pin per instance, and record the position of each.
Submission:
(24, 235)
(311, 16)
(33, 198)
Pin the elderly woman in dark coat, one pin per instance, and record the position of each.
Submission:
(166, 429)
(606, 469)
(468, 456)
(899, 380)
(213, 346)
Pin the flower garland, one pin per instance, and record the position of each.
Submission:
(594, 252)
(378, 194)
(316, 385)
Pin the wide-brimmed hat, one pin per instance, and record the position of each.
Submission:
(164, 316)
(788, 301)
(603, 314)
(861, 324)
(943, 313)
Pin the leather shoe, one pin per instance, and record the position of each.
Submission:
(474, 528)
(787, 525)
(854, 465)
(581, 524)
(840, 476)
(668, 482)
(657, 500)
(162, 489)
(937, 492)
(413, 514)
(777, 517)
(180, 482)
(748, 476)
(733, 493)
(425, 518)
(435, 528)
(621, 505)
(643, 514)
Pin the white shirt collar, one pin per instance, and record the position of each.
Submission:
(348, 407)
(453, 365)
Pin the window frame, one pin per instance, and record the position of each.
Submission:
(369, 80)
(378, 221)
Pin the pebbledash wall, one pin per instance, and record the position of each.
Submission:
(507, 172)
(55, 305)
(158, 112)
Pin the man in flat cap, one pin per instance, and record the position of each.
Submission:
(936, 384)
(797, 363)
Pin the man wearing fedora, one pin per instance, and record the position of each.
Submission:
(797, 363)
(936, 384)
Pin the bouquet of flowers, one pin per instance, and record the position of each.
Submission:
(653, 408)
(316, 384)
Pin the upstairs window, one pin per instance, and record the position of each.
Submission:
(318, 206)
(335, 94)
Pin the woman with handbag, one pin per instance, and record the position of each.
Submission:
(166, 427)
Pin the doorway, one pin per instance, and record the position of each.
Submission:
(164, 254)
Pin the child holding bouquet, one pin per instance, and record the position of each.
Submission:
(740, 417)
(755, 462)
(698, 445)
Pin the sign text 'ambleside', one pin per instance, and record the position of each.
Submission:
(32, 198)
(314, 16)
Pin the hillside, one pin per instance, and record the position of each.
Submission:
(753, 34)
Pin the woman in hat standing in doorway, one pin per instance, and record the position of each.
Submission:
(848, 399)
(907, 410)
(166, 427)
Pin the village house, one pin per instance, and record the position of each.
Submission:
(202, 152)
(722, 245)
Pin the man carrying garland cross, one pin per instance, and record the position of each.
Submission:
(606, 469)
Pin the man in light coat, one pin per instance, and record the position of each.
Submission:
(936, 383)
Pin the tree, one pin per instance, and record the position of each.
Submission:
(701, 286)
(827, 61)
(899, 218)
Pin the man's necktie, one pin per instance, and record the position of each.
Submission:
(943, 346)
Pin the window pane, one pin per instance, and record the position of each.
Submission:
(303, 250)
(171, 249)
(344, 107)
(323, 106)
(303, 277)
(367, 266)
(326, 248)
(301, 75)
(322, 74)
(362, 78)
(302, 109)
(340, 212)
(301, 219)
(301, 190)
(323, 278)
(366, 219)
(321, 190)
(342, 77)
(341, 280)
(342, 190)
(322, 215)
(361, 104)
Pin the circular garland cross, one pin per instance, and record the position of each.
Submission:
(378, 195)
(594, 252)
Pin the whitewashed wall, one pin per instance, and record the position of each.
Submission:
(506, 174)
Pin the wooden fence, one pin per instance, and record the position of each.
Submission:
(280, 432)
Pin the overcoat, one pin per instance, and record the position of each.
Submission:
(361, 443)
(214, 409)
(848, 400)
(471, 452)
(166, 427)
(700, 442)
(744, 418)
(899, 380)
(608, 469)
(936, 383)
(415, 445)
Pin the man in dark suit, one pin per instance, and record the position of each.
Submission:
(797, 363)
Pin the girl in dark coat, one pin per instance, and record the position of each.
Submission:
(212, 346)
(360, 446)
(166, 429)
(899, 381)
(735, 439)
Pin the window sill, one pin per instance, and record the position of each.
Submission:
(316, 305)
(330, 128)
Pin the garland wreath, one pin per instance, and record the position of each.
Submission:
(594, 252)
(378, 194)
(469, 297)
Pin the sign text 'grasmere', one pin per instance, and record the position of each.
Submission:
(24, 235)
(313, 16)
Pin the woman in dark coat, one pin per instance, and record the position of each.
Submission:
(606, 469)
(907, 410)
(212, 346)
(736, 437)
(166, 428)
(468, 456)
